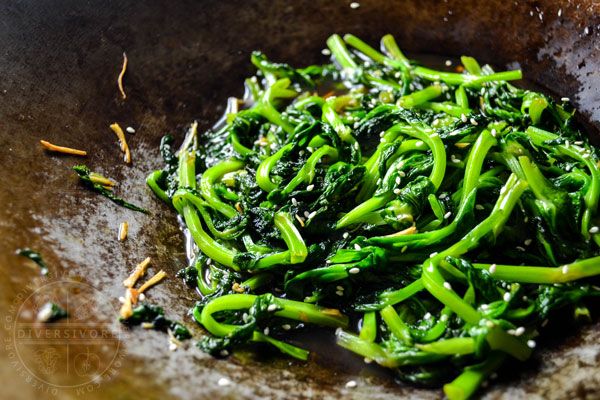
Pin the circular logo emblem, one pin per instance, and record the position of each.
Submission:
(56, 351)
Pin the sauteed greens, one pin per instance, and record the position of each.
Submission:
(449, 213)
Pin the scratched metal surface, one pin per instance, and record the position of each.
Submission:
(58, 66)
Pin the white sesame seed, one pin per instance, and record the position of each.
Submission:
(578, 143)
(356, 145)
(310, 187)
(567, 144)
(310, 149)
(301, 153)
(326, 52)
(224, 382)
(494, 132)
(473, 122)
(354, 271)
(339, 293)
(443, 196)
(382, 134)
(427, 316)
(130, 129)
(368, 360)
(346, 235)
(294, 201)
(312, 215)
(430, 268)
(351, 384)
(419, 143)
(527, 242)
(506, 296)
(328, 262)
(397, 191)
(382, 140)
(402, 173)
(433, 135)
(224, 353)
(378, 181)
(565, 99)
(511, 332)
(485, 306)
(520, 248)
(436, 122)
(121, 299)
(45, 312)
(448, 63)
(479, 207)
(585, 155)
(306, 214)
(448, 215)
(489, 324)
(286, 327)
(594, 229)
(444, 318)
(531, 343)
(435, 253)
(266, 331)
(492, 268)
(397, 180)
(525, 298)
(503, 190)
(447, 285)
(340, 288)
(357, 247)
(356, 125)
(565, 269)
(463, 117)
(272, 307)
(519, 331)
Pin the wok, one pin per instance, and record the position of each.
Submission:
(60, 61)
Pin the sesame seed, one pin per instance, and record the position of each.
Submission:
(245, 317)
(340, 288)
(489, 324)
(435, 253)
(427, 316)
(397, 180)
(520, 248)
(310, 187)
(326, 52)
(310, 149)
(494, 132)
(430, 268)
(511, 332)
(531, 343)
(368, 360)
(312, 215)
(306, 214)
(463, 117)
(565, 269)
(354, 5)
(447, 285)
(130, 129)
(328, 262)
(578, 143)
(294, 201)
(519, 331)
(443, 196)
(266, 331)
(224, 382)
(485, 306)
(567, 144)
(121, 299)
(506, 296)
(346, 235)
(354, 271)
(448, 215)
(527, 242)
(473, 122)
(402, 173)
(525, 298)
(444, 317)
(301, 153)
(382, 140)
(382, 134)
(594, 229)
(356, 125)
(503, 190)
(356, 145)
(357, 247)
(419, 143)
(565, 99)
(436, 122)
(585, 155)
(433, 135)
(172, 347)
(378, 181)
(479, 207)
(339, 293)
(351, 384)
(397, 191)
(224, 353)
(448, 63)
(286, 327)
(492, 268)
(272, 307)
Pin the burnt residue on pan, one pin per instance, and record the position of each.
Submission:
(60, 62)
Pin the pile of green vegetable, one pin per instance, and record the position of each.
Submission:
(449, 213)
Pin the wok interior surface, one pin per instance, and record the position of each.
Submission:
(60, 62)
